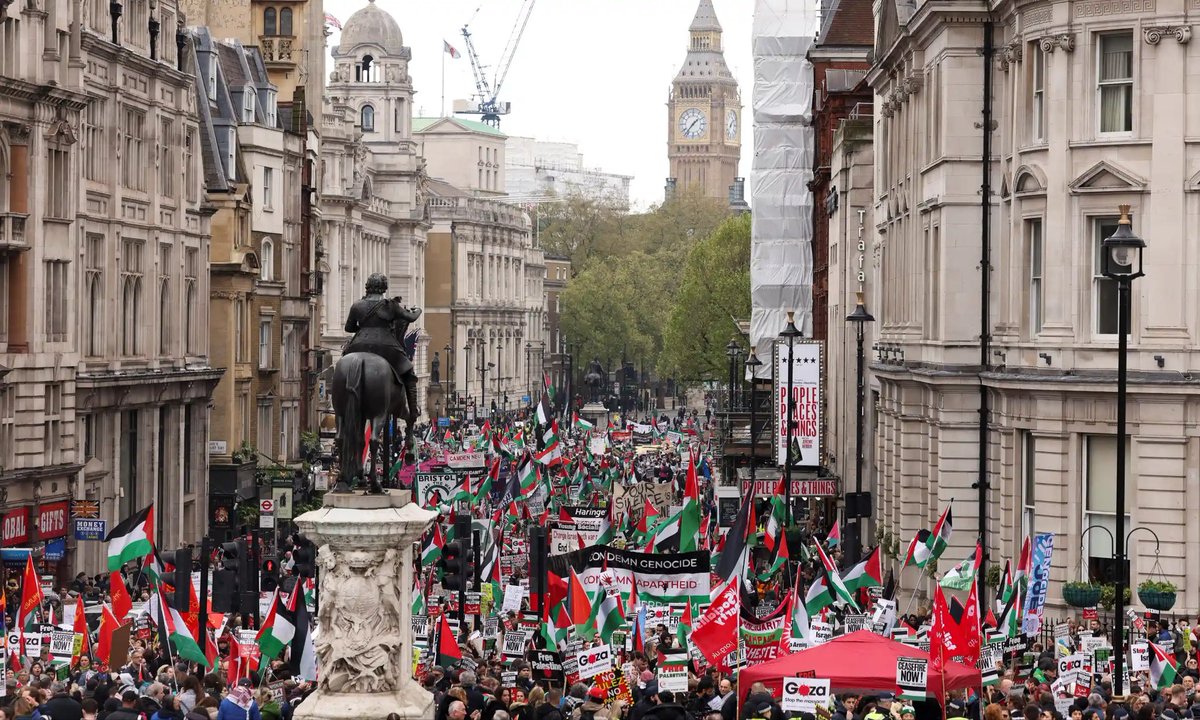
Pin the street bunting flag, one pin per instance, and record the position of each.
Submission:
(130, 539)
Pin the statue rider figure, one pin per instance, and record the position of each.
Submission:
(379, 325)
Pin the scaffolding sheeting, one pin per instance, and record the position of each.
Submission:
(781, 233)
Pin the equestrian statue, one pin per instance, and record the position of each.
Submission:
(374, 381)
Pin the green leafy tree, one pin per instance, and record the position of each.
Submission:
(713, 294)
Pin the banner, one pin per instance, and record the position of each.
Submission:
(661, 577)
(1039, 584)
(806, 369)
(464, 460)
(760, 640)
(631, 499)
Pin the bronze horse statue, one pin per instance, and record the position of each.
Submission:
(365, 389)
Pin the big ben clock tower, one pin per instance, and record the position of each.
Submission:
(704, 113)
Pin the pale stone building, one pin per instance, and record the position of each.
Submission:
(468, 154)
(372, 177)
(1094, 104)
(104, 282)
(538, 171)
(704, 113)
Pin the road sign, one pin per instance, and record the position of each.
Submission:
(266, 505)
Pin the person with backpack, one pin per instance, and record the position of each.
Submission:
(593, 706)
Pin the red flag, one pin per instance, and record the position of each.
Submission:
(108, 623)
(122, 604)
(943, 635)
(579, 605)
(31, 592)
(716, 632)
(80, 625)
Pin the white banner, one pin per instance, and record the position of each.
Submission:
(806, 403)
(594, 660)
(805, 695)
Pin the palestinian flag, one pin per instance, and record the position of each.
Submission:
(939, 539)
(666, 537)
(835, 580)
(817, 598)
(918, 550)
(866, 574)
(962, 575)
(737, 539)
(448, 652)
(553, 452)
(157, 569)
(776, 518)
(433, 551)
(605, 617)
(578, 604)
(689, 517)
(172, 625)
(418, 603)
(1162, 667)
(1007, 622)
(834, 538)
(545, 413)
(277, 630)
(528, 478)
(493, 476)
(464, 493)
(683, 630)
(579, 423)
(781, 558)
(131, 538)
(1024, 567)
(649, 519)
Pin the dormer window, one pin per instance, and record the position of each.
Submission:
(231, 154)
(212, 76)
(367, 118)
(272, 109)
(248, 105)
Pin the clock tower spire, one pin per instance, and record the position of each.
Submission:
(704, 113)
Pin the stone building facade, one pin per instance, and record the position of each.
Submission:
(558, 274)
(542, 171)
(105, 251)
(372, 179)
(1093, 105)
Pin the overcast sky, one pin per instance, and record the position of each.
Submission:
(592, 72)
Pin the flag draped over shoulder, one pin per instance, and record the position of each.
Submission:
(131, 538)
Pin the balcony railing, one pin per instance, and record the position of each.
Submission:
(12, 232)
(276, 48)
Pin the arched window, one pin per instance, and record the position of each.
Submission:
(164, 319)
(96, 313)
(368, 118)
(367, 70)
(189, 319)
(285, 21)
(269, 21)
(131, 300)
(267, 260)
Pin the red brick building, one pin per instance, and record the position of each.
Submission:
(840, 58)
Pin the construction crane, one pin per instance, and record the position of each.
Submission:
(486, 93)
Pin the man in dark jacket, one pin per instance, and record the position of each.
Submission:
(646, 703)
(667, 708)
(550, 710)
(698, 706)
(62, 706)
(128, 709)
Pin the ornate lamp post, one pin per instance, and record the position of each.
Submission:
(499, 359)
(752, 364)
(1121, 260)
(790, 333)
(859, 317)
(732, 350)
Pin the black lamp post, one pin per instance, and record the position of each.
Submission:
(731, 352)
(752, 364)
(859, 317)
(1121, 260)
(529, 371)
(790, 333)
(499, 360)
(449, 382)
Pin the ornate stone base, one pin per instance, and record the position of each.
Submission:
(364, 643)
(596, 413)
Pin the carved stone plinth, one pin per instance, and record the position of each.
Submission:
(595, 413)
(364, 644)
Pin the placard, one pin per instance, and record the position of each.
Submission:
(514, 643)
(514, 595)
(854, 622)
(62, 643)
(594, 660)
(1140, 656)
(820, 632)
(912, 677)
(491, 627)
(420, 629)
(673, 676)
(884, 617)
(546, 665)
(805, 695)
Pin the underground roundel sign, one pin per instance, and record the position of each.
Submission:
(266, 506)
(594, 660)
(805, 694)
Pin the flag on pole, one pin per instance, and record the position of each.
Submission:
(172, 625)
(962, 575)
(1162, 667)
(446, 47)
(122, 604)
(689, 519)
(448, 652)
(939, 539)
(835, 580)
(131, 538)
(918, 550)
(331, 20)
(277, 630)
(108, 623)
(866, 574)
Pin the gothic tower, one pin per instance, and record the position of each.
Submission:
(704, 113)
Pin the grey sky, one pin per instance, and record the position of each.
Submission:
(592, 72)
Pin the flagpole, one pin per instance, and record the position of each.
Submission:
(443, 80)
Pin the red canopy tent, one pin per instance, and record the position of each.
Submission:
(861, 660)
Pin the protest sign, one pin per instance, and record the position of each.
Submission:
(912, 677)
(593, 661)
(805, 695)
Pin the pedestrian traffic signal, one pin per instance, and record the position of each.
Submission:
(181, 599)
(270, 575)
(453, 565)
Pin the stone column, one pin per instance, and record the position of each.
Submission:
(364, 643)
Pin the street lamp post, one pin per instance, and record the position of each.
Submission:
(859, 317)
(529, 371)
(450, 383)
(1121, 260)
(731, 352)
(790, 333)
(753, 363)
(499, 373)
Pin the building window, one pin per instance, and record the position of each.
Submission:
(285, 22)
(58, 189)
(188, 449)
(1033, 230)
(1114, 74)
(131, 296)
(57, 290)
(269, 22)
(1037, 110)
(264, 426)
(191, 276)
(1100, 508)
(266, 269)
(94, 286)
(264, 343)
(133, 165)
(95, 151)
(231, 155)
(291, 352)
(165, 321)
(286, 429)
(248, 104)
(1105, 302)
(52, 427)
(272, 109)
(191, 181)
(368, 118)
(367, 71)
(268, 183)
(239, 330)
(1029, 483)
(166, 158)
(212, 76)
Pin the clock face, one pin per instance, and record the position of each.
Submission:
(731, 125)
(692, 123)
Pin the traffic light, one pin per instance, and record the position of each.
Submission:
(270, 575)
(225, 580)
(453, 565)
(304, 557)
(181, 599)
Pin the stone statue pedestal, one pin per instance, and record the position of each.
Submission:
(364, 643)
(595, 413)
